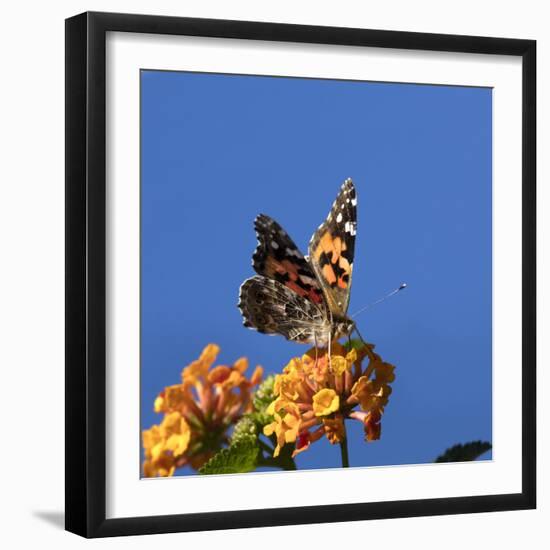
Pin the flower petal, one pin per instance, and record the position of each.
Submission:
(325, 402)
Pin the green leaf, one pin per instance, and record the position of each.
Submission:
(260, 419)
(464, 452)
(354, 343)
(240, 457)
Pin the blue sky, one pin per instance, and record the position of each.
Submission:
(219, 149)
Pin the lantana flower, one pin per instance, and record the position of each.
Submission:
(315, 395)
(198, 413)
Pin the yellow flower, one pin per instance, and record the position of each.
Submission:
(383, 372)
(152, 442)
(157, 463)
(176, 433)
(335, 429)
(325, 402)
(287, 384)
(199, 368)
(351, 357)
(172, 398)
(159, 404)
(315, 394)
(363, 392)
(286, 424)
(165, 444)
(163, 467)
(339, 365)
(198, 413)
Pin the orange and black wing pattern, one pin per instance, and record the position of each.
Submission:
(332, 247)
(277, 257)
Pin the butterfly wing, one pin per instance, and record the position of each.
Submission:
(271, 307)
(332, 247)
(277, 257)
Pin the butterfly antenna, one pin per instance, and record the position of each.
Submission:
(389, 295)
(359, 334)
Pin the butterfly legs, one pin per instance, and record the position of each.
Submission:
(316, 347)
(329, 351)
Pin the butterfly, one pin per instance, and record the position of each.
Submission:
(303, 298)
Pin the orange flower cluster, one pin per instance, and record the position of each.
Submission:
(197, 413)
(316, 394)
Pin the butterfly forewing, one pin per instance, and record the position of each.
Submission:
(277, 257)
(331, 250)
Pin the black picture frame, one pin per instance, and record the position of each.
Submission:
(86, 274)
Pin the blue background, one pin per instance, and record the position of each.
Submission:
(219, 149)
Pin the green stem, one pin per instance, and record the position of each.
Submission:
(344, 452)
(344, 449)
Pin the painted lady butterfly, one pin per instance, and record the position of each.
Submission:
(304, 299)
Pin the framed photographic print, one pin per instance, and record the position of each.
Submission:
(224, 181)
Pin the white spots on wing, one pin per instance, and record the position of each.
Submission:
(354, 202)
(339, 217)
(282, 232)
(274, 245)
(343, 206)
(351, 228)
(293, 252)
(308, 280)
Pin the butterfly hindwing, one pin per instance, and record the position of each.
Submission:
(272, 308)
(278, 258)
(332, 247)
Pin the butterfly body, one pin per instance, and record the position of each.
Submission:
(303, 298)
